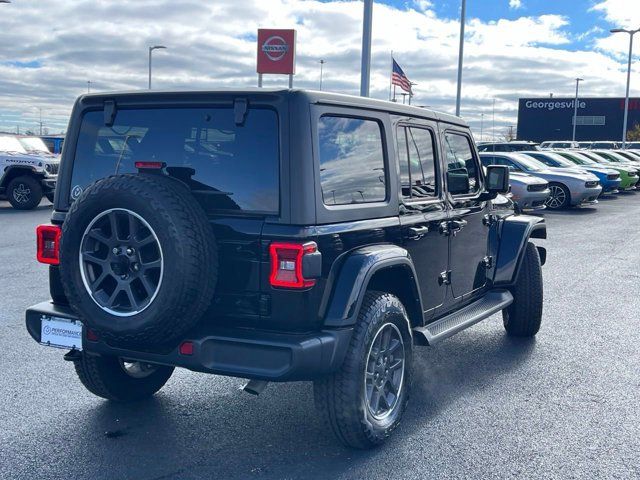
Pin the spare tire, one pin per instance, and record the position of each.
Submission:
(138, 259)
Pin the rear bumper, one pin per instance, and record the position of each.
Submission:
(242, 353)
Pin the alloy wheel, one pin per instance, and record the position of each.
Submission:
(557, 198)
(384, 372)
(21, 193)
(121, 262)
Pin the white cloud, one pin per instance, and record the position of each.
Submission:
(622, 13)
(211, 45)
(515, 4)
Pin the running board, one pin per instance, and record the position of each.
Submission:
(492, 302)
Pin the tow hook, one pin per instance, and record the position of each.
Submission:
(72, 355)
(254, 387)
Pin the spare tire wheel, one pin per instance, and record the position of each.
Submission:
(138, 259)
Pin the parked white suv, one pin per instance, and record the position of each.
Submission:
(25, 178)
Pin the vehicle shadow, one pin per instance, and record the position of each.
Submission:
(7, 209)
(230, 434)
(573, 211)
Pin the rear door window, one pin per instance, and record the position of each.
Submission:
(228, 167)
(417, 162)
(351, 160)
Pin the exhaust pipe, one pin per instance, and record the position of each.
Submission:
(255, 387)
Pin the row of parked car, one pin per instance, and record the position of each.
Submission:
(560, 177)
(28, 171)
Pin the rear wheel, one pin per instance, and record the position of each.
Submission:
(364, 401)
(559, 196)
(24, 193)
(120, 380)
(523, 317)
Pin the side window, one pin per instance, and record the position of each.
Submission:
(351, 161)
(461, 162)
(417, 162)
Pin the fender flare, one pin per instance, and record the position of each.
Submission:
(350, 277)
(8, 173)
(515, 232)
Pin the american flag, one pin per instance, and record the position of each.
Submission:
(399, 78)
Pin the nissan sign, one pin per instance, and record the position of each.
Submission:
(276, 51)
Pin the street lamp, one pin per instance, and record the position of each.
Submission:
(151, 49)
(626, 98)
(481, 125)
(322, 62)
(575, 110)
(365, 67)
(460, 55)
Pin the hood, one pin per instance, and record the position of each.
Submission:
(20, 158)
(576, 170)
(568, 173)
(525, 178)
(604, 170)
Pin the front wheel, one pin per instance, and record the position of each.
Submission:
(119, 379)
(24, 193)
(559, 196)
(364, 401)
(523, 317)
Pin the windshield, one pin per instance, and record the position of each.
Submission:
(530, 164)
(33, 145)
(11, 144)
(578, 158)
(226, 165)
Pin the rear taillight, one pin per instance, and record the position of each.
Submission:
(286, 264)
(48, 244)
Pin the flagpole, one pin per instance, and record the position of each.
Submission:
(394, 94)
(391, 76)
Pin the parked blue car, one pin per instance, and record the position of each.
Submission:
(609, 178)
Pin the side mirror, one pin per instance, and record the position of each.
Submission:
(458, 181)
(497, 179)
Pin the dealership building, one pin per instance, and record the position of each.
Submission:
(551, 118)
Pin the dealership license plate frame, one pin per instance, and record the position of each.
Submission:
(60, 332)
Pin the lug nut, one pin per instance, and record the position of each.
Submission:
(135, 267)
(116, 250)
(130, 251)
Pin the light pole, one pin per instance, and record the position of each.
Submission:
(460, 55)
(411, 84)
(365, 67)
(88, 86)
(151, 49)
(481, 125)
(321, 65)
(626, 98)
(575, 110)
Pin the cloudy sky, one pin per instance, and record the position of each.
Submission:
(49, 49)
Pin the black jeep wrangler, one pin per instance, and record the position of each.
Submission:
(277, 235)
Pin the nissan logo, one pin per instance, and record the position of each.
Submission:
(275, 48)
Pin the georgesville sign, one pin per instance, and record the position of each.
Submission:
(276, 51)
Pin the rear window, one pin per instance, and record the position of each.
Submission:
(351, 161)
(227, 166)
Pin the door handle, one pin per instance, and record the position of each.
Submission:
(418, 232)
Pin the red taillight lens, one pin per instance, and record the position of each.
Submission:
(149, 165)
(48, 244)
(286, 264)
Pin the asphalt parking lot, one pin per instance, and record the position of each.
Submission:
(564, 405)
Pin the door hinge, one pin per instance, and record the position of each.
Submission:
(444, 278)
(487, 262)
